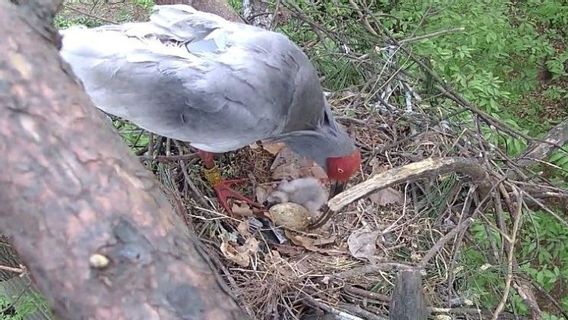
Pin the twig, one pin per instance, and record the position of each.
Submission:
(556, 137)
(21, 269)
(329, 309)
(272, 26)
(442, 241)
(510, 256)
(523, 289)
(360, 311)
(430, 35)
(372, 268)
(366, 294)
(170, 158)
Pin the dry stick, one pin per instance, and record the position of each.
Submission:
(558, 135)
(171, 158)
(363, 17)
(340, 314)
(407, 302)
(272, 26)
(430, 35)
(411, 172)
(373, 268)
(22, 269)
(192, 186)
(442, 241)
(510, 256)
(366, 294)
(356, 309)
(526, 294)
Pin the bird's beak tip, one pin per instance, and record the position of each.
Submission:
(336, 188)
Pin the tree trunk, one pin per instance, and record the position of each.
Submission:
(90, 223)
(218, 7)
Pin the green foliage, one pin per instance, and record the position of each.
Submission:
(495, 61)
(236, 4)
(542, 253)
(25, 306)
(554, 13)
(134, 137)
(146, 4)
(559, 158)
(557, 64)
(62, 22)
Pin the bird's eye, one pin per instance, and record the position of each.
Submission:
(339, 170)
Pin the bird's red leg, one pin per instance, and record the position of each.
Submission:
(222, 187)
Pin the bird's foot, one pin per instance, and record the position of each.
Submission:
(224, 191)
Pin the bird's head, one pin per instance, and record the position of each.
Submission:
(341, 169)
(344, 167)
(329, 145)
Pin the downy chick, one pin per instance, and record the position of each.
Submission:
(307, 192)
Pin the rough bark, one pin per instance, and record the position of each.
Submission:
(407, 301)
(98, 236)
(257, 13)
(557, 136)
(218, 7)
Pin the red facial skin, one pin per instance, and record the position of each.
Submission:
(343, 168)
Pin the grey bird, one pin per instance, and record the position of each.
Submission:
(218, 85)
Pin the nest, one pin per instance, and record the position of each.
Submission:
(424, 183)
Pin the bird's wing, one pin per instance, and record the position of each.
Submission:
(188, 75)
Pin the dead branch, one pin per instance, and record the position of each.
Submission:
(411, 172)
(510, 256)
(407, 302)
(218, 7)
(557, 136)
(443, 240)
(89, 222)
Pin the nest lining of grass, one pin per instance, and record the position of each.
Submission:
(288, 281)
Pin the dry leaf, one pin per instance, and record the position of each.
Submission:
(362, 243)
(243, 229)
(240, 254)
(324, 241)
(299, 240)
(289, 165)
(262, 192)
(311, 244)
(231, 253)
(250, 246)
(242, 209)
(377, 167)
(273, 148)
(386, 196)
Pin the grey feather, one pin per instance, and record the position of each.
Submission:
(196, 77)
(307, 192)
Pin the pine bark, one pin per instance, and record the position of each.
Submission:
(99, 238)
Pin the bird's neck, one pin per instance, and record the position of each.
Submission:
(320, 144)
